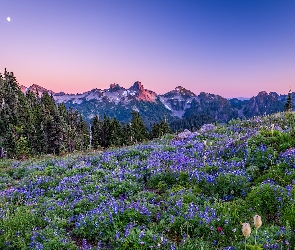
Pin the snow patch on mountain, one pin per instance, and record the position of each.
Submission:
(75, 99)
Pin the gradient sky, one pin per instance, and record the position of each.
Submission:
(232, 48)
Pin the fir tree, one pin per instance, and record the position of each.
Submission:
(96, 132)
(10, 141)
(106, 132)
(159, 129)
(71, 130)
(126, 134)
(22, 150)
(138, 128)
(53, 132)
(288, 106)
(82, 134)
(31, 125)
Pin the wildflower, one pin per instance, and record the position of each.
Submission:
(204, 158)
(219, 229)
(257, 221)
(246, 229)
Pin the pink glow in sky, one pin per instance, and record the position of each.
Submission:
(230, 48)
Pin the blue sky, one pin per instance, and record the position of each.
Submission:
(231, 48)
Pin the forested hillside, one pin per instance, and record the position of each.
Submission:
(32, 124)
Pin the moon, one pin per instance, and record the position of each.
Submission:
(8, 19)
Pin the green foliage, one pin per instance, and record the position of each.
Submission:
(288, 213)
(122, 188)
(17, 227)
(266, 147)
(109, 132)
(191, 122)
(161, 181)
(55, 239)
(139, 240)
(227, 186)
(32, 125)
(22, 148)
(267, 200)
(277, 173)
(138, 128)
(288, 106)
(278, 141)
(257, 247)
(160, 129)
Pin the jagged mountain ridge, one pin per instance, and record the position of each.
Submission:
(176, 104)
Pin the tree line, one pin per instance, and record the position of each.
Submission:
(110, 132)
(192, 123)
(32, 124)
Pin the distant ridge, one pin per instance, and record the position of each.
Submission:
(179, 103)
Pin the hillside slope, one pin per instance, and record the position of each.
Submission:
(166, 194)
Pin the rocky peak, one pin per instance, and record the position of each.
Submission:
(180, 91)
(205, 95)
(184, 91)
(274, 95)
(262, 93)
(23, 88)
(36, 88)
(137, 86)
(143, 94)
(115, 87)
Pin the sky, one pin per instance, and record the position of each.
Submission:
(234, 48)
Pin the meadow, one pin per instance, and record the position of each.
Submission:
(193, 193)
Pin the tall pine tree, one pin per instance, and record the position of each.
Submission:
(288, 106)
(96, 129)
(139, 132)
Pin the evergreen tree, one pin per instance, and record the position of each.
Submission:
(71, 130)
(22, 150)
(10, 141)
(115, 133)
(40, 114)
(31, 125)
(48, 104)
(126, 136)
(4, 119)
(53, 132)
(82, 134)
(10, 96)
(106, 132)
(288, 106)
(159, 129)
(138, 128)
(96, 129)
(191, 123)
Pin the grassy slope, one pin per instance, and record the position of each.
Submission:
(166, 194)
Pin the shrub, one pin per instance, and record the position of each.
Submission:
(227, 186)
(279, 174)
(267, 199)
(17, 227)
(161, 181)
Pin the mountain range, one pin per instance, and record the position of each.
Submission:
(177, 104)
